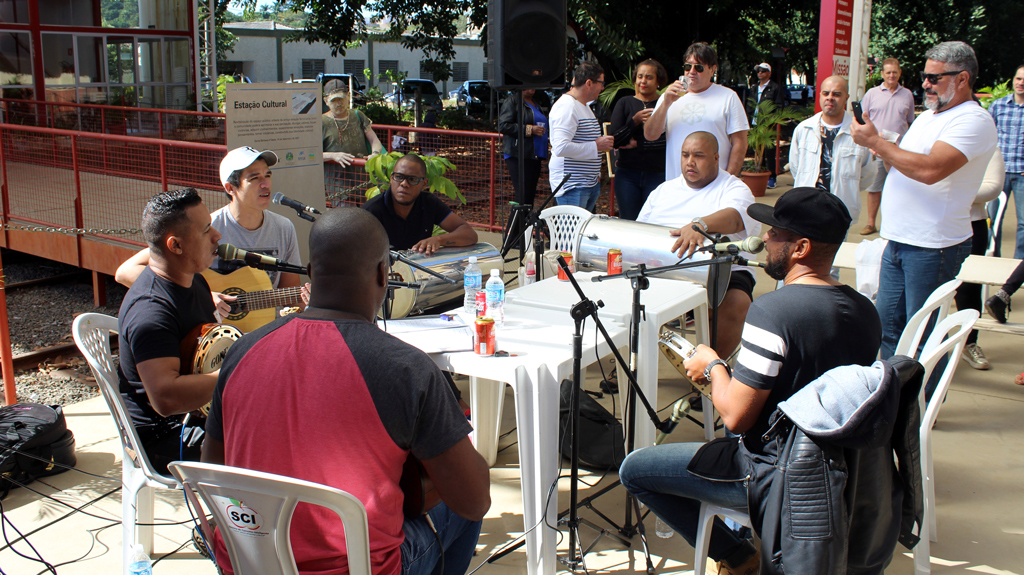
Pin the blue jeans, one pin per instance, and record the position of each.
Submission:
(909, 275)
(582, 197)
(632, 188)
(658, 477)
(1014, 183)
(420, 553)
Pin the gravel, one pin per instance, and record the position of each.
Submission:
(41, 316)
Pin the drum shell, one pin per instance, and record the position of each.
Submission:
(450, 262)
(640, 243)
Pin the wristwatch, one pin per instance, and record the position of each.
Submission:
(700, 222)
(714, 362)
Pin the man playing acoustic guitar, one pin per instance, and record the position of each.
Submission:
(350, 415)
(167, 301)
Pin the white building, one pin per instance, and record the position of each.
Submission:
(262, 54)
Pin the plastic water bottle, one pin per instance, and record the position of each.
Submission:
(531, 273)
(662, 529)
(140, 563)
(496, 298)
(471, 280)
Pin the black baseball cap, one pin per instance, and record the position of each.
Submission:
(812, 213)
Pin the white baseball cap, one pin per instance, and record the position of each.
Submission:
(241, 158)
(764, 65)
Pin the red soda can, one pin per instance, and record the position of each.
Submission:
(568, 261)
(614, 261)
(484, 341)
(481, 303)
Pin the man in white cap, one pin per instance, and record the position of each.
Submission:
(245, 222)
(768, 90)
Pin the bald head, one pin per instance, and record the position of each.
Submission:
(346, 242)
(707, 141)
(835, 91)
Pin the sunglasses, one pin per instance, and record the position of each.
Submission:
(412, 180)
(934, 78)
(699, 67)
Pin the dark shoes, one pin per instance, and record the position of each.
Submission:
(997, 305)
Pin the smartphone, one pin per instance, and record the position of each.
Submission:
(858, 112)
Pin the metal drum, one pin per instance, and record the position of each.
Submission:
(640, 244)
(449, 262)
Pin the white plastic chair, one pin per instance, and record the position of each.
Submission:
(267, 501)
(564, 224)
(708, 512)
(1002, 200)
(939, 344)
(138, 478)
(941, 299)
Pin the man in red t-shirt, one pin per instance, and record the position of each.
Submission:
(349, 414)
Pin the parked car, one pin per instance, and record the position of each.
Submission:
(407, 94)
(800, 94)
(474, 97)
(358, 96)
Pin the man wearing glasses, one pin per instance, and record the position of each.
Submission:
(936, 170)
(409, 216)
(767, 90)
(576, 140)
(694, 103)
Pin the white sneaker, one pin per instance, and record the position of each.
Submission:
(973, 355)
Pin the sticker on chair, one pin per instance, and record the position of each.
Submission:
(242, 519)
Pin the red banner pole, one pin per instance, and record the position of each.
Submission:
(6, 352)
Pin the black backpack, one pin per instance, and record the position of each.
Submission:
(29, 431)
(601, 444)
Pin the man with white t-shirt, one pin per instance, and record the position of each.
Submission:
(576, 140)
(698, 104)
(936, 171)
(707, 196)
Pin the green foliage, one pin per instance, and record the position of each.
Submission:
(455, 119)
(119, 13)
(222, 89)
(380, 167)
(994, 93)
(763, 135)
(380, 114)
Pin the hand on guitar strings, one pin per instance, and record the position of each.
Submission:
(222, 303)
(304, 292)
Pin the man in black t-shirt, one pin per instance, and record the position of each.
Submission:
(791, 337)
(167, 301)
(409, 216)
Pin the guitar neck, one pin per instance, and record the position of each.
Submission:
(282, 297)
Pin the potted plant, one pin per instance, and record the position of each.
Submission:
(762, 136)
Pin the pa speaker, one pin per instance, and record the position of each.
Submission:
(526, 44)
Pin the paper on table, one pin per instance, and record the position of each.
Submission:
(439, 340)
(397, 326)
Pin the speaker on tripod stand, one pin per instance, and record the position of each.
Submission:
(526, 44)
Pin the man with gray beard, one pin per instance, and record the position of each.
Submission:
(935, 171)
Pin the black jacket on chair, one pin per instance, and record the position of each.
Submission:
(828, 497)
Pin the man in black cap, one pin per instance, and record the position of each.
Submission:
(790, 337)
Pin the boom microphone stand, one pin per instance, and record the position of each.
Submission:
(639, 281)
(532, 219)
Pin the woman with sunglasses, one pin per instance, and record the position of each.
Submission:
(641, 164)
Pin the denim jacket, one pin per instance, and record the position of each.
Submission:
(852, 168)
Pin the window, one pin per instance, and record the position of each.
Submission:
(382, 67)
(310, 68)
(355, 68)
(460, 71)
(426, 74)
(486, 70)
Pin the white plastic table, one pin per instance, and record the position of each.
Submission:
(538, 333)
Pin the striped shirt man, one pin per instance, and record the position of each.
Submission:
(793, 335)
(574, 131)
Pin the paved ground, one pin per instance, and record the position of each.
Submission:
(978, 461)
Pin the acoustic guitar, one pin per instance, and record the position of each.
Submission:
(256, 303)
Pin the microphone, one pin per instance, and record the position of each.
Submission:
(283, 200)
(753, 245)
(255, 260)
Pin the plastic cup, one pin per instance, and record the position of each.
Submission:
(889, 135)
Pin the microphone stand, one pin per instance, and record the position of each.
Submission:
(398, 256)
(278, 267)
(534, 220)
(639, 281)
(302, 214)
